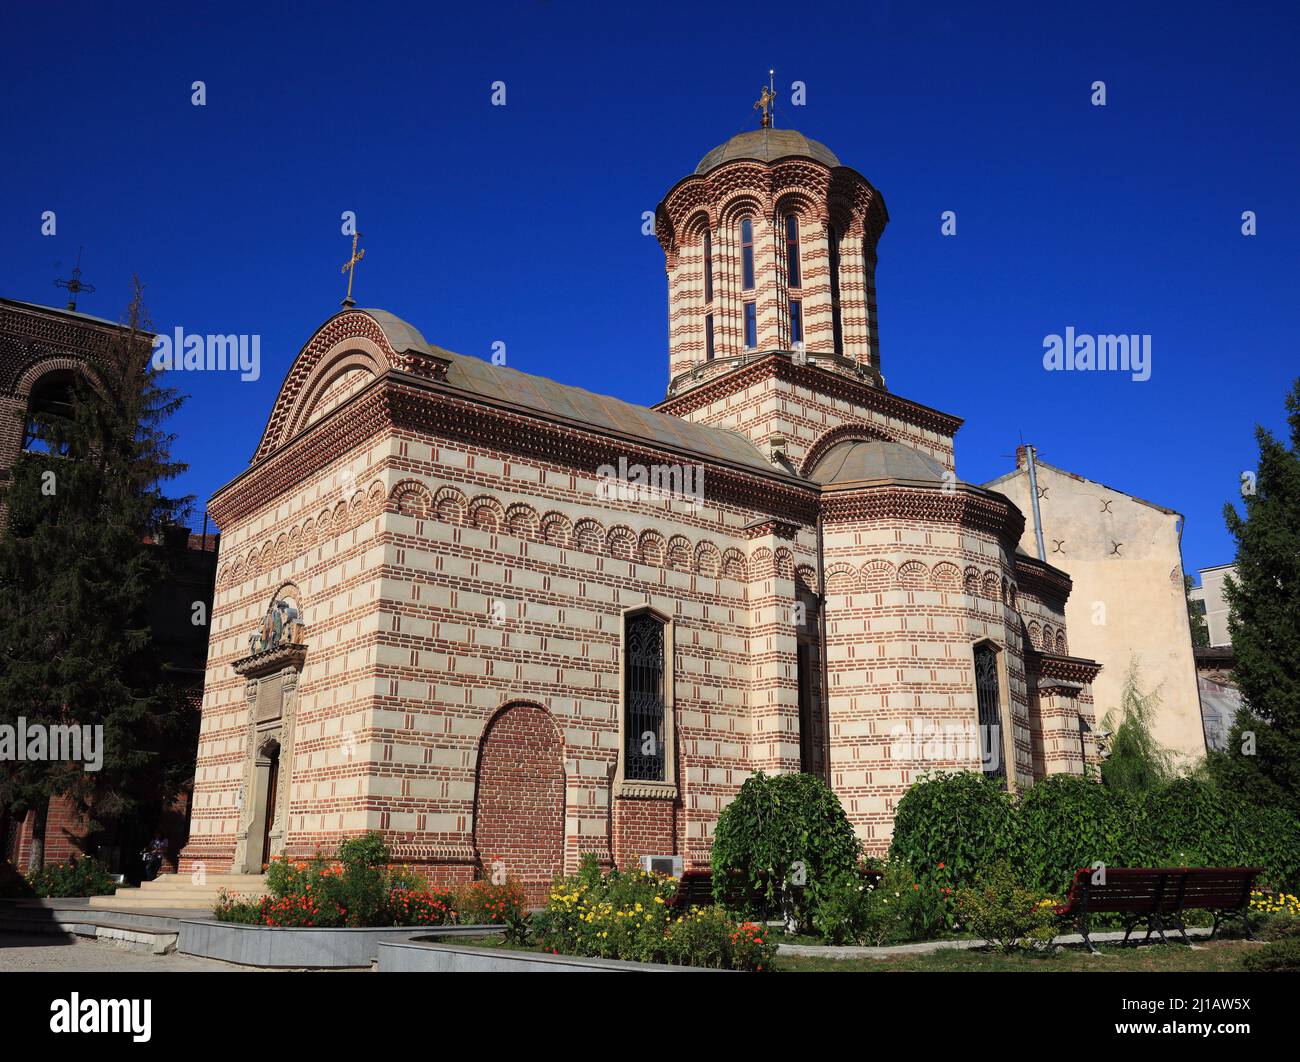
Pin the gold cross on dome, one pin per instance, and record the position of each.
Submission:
(349, 267)
(765, 104)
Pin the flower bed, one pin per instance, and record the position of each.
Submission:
(359, 890)
(625, 915)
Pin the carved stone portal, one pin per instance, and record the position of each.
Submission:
(271, 692)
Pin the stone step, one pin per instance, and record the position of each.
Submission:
(129, 902)
(156, 936)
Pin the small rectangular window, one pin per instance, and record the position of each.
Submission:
(796, 321)
(751, 326)
(708, 337)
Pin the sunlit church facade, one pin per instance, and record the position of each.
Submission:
(508, 622)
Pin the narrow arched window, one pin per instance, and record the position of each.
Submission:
(708, 337)
(643, 698)
(751, 326)
(747, 252)
(708, 266)
(988, 697)
(792, 251)
(837, 327)
(49, 415)
(796, 321)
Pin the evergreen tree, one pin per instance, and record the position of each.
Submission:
(1196, 615)
(1263, 757)
(76, 579)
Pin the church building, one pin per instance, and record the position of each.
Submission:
(507, 621)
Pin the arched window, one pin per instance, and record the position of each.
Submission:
(751, 326)
(747, 252)
(792, 251)
(796, 321)
(837, 328)
(643, 698)
(708, 337)
(49, 413)
(988, 696)
(708, 266)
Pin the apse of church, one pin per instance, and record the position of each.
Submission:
(488, 620)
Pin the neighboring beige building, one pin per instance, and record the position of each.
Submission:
(1215, 604)
(1122, 554)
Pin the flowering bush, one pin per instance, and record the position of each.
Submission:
(892, 907)
(1275, 915)
(360, 889)
(625, 915)
(1005, 913)
(76, 877)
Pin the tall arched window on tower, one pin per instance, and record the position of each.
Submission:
(988, 696)
(792, 278)
(837, 327)
(644, 733)
(747, 252)
(708, 266)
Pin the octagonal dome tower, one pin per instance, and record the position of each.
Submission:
(771, 247)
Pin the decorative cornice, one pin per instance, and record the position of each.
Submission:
(1042, 580)
(823, 381)
(775, 527)
(965, 506)
(396, 399)
(269, 661)
(1061, 667)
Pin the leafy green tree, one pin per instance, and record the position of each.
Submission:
(76, 581)
(1263, 757)
(782, 841)
(963, 820)
(1137, 763)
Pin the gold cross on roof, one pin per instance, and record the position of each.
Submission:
(349, 267)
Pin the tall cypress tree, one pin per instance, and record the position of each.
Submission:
(1263, 757)
(76, 580)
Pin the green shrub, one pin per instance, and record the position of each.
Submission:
(77, 877)
(1281, 956)
(962, 820)
(1067, 822)
(782, 840)
(892, 910)
(1006, 914)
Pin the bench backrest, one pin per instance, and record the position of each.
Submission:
(1140, 890)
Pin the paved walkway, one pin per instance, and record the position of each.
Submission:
(850, 952)
(39, 952)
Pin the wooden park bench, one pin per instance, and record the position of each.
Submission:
(1154, 894)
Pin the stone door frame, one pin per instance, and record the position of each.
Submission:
(271, 693)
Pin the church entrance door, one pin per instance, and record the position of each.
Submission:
(272, 782)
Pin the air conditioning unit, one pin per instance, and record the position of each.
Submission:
(668, 865)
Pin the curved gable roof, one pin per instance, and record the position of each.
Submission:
(387, 342)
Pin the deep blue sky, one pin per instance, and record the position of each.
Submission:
(522, 224)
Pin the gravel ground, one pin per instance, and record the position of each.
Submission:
(41, 952)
